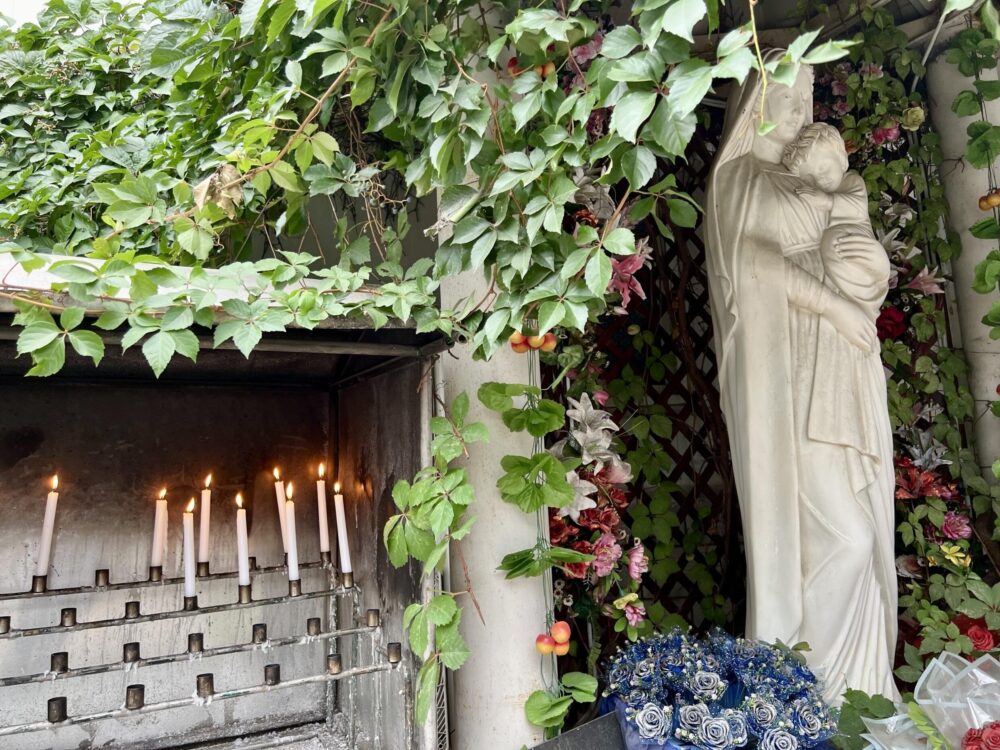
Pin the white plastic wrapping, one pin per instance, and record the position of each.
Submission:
(955, 694)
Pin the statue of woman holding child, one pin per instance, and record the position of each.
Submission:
(796, 279)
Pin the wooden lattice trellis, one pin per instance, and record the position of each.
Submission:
(677, 312)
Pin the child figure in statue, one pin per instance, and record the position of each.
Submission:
(819, 157)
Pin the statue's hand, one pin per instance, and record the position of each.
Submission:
(818, 198)
(855, 247)
(852, 322)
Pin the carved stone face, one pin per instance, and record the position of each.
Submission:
(789, 106)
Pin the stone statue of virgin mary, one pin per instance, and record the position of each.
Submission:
(803, 388)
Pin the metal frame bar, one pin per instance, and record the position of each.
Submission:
(173, 614)
(124, 666)
(194, 701)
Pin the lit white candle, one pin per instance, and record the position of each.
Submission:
(242, 543)
(159, 530)
(188, 521)
(48, 525)
(204, 520)
(324, 530)
(342, 545)
(279, 493)
(293, 547)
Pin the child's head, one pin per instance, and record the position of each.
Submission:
(818, 155)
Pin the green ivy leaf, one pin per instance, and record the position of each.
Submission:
(37, 336)
(582, 687)
(544, 710)
(450, 645)
(87, 344)
(427, 682)
(441, 609)
(630, 112)
(49, 359)
(158, 350)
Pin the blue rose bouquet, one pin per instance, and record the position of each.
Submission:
(675, 691)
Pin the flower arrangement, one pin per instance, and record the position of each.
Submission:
(983, 738)
(674, 691)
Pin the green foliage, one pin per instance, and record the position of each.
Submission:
(193, 135)
(858, 705)
(433, 512)
(544, 709)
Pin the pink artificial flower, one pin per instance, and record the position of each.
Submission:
(885, 135)
(926, 283)
(601, 397)
(623, 272)
(635, 613)
(841, 107)
(956, 525)
(638, 563)
(839, 88)
(871, 70)
(606, 553)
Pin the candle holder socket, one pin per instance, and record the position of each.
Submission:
(314, 626)
(394, 652)
(39, 584)
(347, 580)
(131, 610)
(373, 618)
(67, 617)
(5, 624)
(325, 559)
(196, 643)
(102, 578)
(286, 560)
(334, 664)
(130, 652)
(190, 603)
(203, 570)
(246, 594)
(272, 674)
(205, 685)
(59, 662)
(252, 560)
(57, 710)
(135, 697)
(259, 633)
(155, 573)
(294, 587)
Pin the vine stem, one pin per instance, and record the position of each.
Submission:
(760, 57)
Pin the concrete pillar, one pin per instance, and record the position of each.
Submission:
(489, 691)
(963, 186)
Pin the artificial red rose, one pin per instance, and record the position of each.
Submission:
(982, 640)
(579, 570)
(991, 736)
(973, 740)
(602, 519)
(619, 497)
(560, 531)
(890, 323)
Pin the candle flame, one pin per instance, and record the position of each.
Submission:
(190, 506)
(55, 482)
(239, 500)
(163, 493)
(208, 481)
(322, 470)
(289, 489)
(277, 474)
(336, 488)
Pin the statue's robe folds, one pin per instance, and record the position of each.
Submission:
(816, 491)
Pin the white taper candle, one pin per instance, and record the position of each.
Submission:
(159, 530)
(324, 527)
(242, 543)
(293, 547)
(189, 567)
(48, 526)
(342, 545)
(279, 493)
(205, 520)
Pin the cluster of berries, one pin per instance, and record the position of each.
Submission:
(522, 344)
(990, 201)
(556, 641)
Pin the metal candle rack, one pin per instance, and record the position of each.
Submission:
(381, 658)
